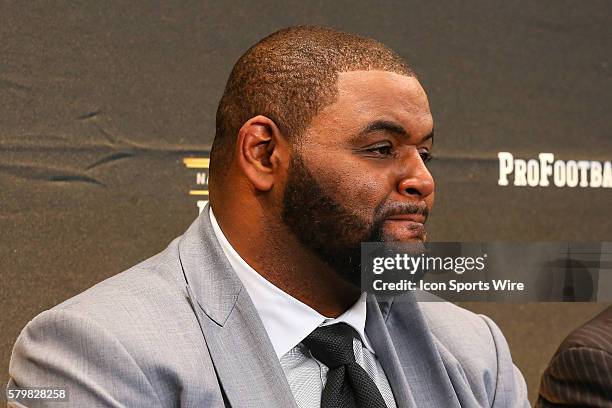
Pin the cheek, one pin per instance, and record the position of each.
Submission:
(353, 184)
(356, 188)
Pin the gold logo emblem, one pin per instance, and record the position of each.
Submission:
(201, 165)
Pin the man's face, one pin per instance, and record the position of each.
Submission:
(360, 173)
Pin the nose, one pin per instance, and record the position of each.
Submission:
(416, 181)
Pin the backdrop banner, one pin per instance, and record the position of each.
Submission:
(107, 116)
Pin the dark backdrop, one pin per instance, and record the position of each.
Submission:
(100, 102)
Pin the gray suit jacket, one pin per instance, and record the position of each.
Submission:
(180, 330)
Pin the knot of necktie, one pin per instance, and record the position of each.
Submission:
(332, 345)
(348, 384)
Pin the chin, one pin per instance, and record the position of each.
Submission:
(403, 238)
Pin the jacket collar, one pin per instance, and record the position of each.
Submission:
(237, 342)
(208, 273)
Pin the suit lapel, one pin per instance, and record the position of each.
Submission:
(385, 352)
(405, 341)
(244, 359)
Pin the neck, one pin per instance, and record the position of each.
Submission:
(276, 254)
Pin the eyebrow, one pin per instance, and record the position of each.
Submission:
(391, 127)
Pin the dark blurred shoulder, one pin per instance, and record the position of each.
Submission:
(596, 333)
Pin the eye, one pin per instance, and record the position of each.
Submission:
(381, 150)
(426, 156)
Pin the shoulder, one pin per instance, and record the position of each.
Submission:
(595, 334)
(461, 331)
(146, 304)
(133, 332)
(152, 288)
(467, 338)
(589, 346)
(473, 351)
(446, 319)
(575, 373)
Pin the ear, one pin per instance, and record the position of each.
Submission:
(261, 151)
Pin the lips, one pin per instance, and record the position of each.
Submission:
(415, 218)
(407, 227)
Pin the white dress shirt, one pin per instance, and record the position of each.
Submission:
(289, 321)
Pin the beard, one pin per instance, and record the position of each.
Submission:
(331, 230)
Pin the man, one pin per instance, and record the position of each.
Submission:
(322, 142)
(580, 372)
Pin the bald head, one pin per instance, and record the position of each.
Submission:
(289, 77)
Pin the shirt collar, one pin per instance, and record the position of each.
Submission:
(286, 320)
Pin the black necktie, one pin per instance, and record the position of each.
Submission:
(348, 384)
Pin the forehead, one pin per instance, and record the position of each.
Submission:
(366, 96)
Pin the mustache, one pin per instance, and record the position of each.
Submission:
(392, 209)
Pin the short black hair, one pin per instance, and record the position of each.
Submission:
(289, 77)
